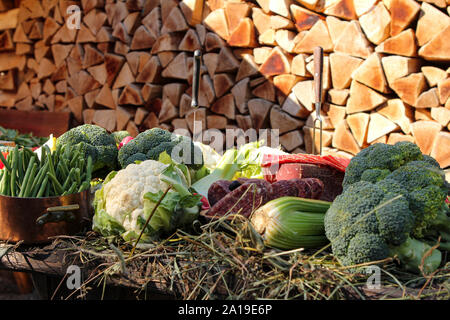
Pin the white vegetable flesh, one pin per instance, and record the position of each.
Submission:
(124, 194)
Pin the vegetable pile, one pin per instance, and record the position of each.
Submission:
(25, 175)
(128, 196)
(393, 204)
(265, 216)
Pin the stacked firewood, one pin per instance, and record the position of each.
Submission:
(129, 66)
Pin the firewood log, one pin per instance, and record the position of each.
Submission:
(425, 132)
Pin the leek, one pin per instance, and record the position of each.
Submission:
(290, 222)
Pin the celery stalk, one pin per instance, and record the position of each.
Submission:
(291, 222)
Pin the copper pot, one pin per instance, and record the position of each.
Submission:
(34, 220)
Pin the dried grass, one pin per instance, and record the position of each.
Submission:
(226, 259)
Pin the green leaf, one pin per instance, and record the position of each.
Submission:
(190, 201)
(165, 158)
(109, 177)
(176, 177)
(106, 225)
(169, 202)
(201, 173)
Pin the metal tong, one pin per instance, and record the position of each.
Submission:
(318, 74)
(195, 85)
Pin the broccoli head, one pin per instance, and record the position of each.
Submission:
(380, 159)
(148, 145)
(373, 221)
(420, 176)
(393, 204)
(94, 141)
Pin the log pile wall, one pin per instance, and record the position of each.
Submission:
(129, 66)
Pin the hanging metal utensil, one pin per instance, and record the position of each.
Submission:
(195, 86)
(318, 73)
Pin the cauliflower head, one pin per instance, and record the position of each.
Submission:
(119, 204)
(125, 192)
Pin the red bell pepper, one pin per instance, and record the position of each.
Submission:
(205, 202)
(125, 141)
(5, 154)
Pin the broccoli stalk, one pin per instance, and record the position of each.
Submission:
(442, 224)
(440, 227)
(411, 253)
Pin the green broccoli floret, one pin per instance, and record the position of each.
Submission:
(151, 143)
(94, 141)
(383, 157)
(425, 188)
(370, 222)
(137, 157)
(374, 175)
(431, 160)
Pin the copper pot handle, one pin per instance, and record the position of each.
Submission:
(58, 214)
